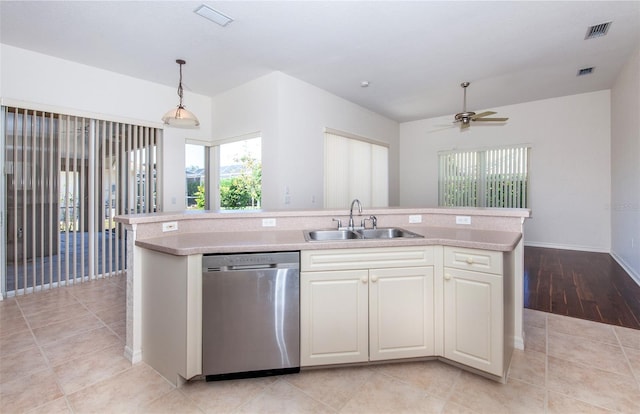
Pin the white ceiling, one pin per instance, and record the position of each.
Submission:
(414, 54)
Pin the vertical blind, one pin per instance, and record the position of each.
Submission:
(484, 178)
(354, 168)
(67, 177)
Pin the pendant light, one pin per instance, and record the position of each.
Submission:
(180, 117)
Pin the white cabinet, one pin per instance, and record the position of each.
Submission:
(474, 325)
(351, 313)
(401, 313)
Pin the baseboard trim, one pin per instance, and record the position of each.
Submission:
(133, 357)
(634, 275)
(566, 247)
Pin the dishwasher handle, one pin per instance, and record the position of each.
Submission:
(232, 268)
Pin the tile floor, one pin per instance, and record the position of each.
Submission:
(62, 352)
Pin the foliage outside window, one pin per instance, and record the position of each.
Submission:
(241, 175)
(484, 178)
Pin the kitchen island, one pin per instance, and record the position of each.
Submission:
(164, 270)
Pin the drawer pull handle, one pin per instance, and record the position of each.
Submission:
(469, 260)
(447, 276)
(364, 279)
(374, 279)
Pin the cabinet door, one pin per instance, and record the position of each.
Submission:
(473, 319)
(333, 313)
(401, 313)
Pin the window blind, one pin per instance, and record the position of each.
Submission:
(484, 178)
(355, 168)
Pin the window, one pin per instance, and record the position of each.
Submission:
(196, 173)
(484, 178)
(240, 174)
(354, 167)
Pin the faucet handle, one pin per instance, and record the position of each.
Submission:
(374, 222)
(339, 222)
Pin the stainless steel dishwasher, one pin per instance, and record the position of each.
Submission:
(250, 315)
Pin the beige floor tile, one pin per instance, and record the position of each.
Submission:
(171, 403)
(9, 309)
(224, 396)
(281, 398)
(633, 356)
(85, 342)
(125, 392)
(534, 318)
(12, 326)
(435, 377)
(120, 329)
(484, 395)
(47, 302)
(331, 386)
(453, 408)
(58, 406)
(70, 327)
(588, 352)
(384, 394)
(529, 366)
(112, 314)
(56, 314)
(106, 299)
(21, 364)
(561, 404)
(579, 327)
(17, 342)
(535, 339)
(601, 388)
(25, 393)
(88, 369)
(629, 338)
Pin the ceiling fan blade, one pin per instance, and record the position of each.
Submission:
(492, 119)
(482, 114)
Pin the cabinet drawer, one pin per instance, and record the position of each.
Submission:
(373, 257)
(471, 259)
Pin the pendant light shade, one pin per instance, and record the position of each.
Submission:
(180, 117)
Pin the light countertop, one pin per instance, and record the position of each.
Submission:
(284, 240)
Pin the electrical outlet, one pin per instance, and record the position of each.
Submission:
(268, 222)
(415, 218)
(170, 226)
(463, 219)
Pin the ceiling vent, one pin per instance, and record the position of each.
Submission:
(213, 15)
(585, 71)
(597, 30)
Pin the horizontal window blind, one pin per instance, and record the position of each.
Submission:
(484, 178)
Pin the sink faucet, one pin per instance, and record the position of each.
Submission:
(351, 212)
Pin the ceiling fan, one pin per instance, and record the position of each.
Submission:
(465, 117)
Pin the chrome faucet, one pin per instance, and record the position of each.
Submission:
(351, 212)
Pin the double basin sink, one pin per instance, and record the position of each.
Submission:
(359, 234)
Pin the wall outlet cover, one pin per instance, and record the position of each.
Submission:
(268, 222)
(417, 218)
(463, 219)
(170, 226)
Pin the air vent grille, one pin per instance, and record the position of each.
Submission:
(597, 30)
(585, 71)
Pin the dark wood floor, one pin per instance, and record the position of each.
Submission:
(579, 284)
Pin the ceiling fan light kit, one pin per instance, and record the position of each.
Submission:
(180, 117)
(465, 117)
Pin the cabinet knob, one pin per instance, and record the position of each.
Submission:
(374, 279)
(364, 279)
(447, 276)
(469, 260)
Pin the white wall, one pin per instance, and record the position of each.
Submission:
(292, 115)
(79, 89)
(570, 164)
(625, 167)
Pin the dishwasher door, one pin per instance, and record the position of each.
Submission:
(251, 315)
